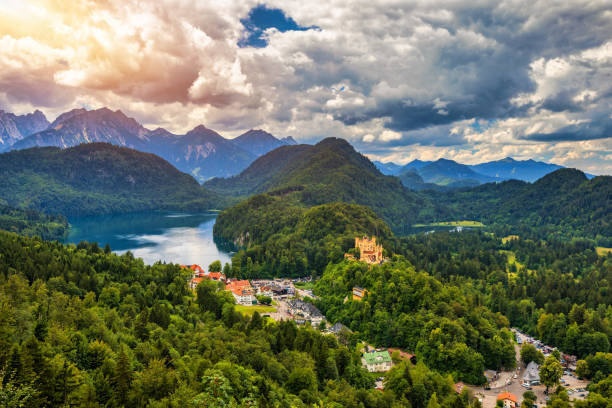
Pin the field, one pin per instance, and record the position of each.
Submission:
(465, 223)
(249, 310)
(305, 285)
(603, 251)
(509, 238)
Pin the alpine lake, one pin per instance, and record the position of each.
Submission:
(183, 238)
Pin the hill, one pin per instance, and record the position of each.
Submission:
(202, 152)
(280, 238)
(562, 204)
(97, 178)
(327, 172)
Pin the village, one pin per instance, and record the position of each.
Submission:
(291, 299)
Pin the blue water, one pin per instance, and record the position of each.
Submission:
(170, 237)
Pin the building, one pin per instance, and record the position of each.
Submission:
(359, 293)
(370, 252)
(406, 356)
(194, 282)
(337, 328)
(532, 374)
(377, 361)
(305, 310)
(216, 276)
(242, 291)
(508, 399)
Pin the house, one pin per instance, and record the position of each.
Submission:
(359, 293)
(337, 328)
(508, 399)
(243, 297)
(194, 282)
(532, 374)
(216, 276)
(242, 291)
(300, 309)
(377, 361)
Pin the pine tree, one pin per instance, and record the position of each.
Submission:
(123, 377)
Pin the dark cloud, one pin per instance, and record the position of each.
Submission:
(598, 129)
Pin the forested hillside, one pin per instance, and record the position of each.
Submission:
(280, 238)
(330, 171)
(82, 327)
(561, 205)
(97, 178)
(30, 222)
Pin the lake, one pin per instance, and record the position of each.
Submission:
(171, 237)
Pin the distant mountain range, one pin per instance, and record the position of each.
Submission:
(201, 152)
(449, 173)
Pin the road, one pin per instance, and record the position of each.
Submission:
(507, 383)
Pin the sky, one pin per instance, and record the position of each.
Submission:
(466, 80)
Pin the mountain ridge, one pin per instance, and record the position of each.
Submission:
(201, 152)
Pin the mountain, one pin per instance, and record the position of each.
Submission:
(260, 142)
(412, 179)
(202, 152)
(508, 168)
(289, 141)
(388, 168)
(97, 178)
(327, 172)
(82, 126)
(562, 204)
(15, 127)
(450, 173)
(416, 164)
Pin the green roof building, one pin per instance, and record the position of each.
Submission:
(377, 361)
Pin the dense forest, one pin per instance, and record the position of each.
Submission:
(561, 205)
(98, 178)
(280, 238)
(443, 323)
(80, 326)
(30, 222)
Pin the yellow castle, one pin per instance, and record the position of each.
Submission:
(369, 251)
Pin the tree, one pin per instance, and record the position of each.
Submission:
(215, 266)
(551, 372)
(529, 398)
(123, 376)
(582, 369)
(529, 353)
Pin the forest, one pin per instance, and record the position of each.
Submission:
(80, 326)
(98, 178)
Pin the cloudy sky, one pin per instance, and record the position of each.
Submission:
(467, 80)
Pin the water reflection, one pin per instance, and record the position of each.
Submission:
(170, 237)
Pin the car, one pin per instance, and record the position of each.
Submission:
(515, 376)
(570, 392)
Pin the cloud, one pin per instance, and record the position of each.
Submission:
(393, 77)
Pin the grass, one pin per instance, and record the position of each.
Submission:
(249, 310)
(305, 285)
(512, 261)
(464, 223)
(509, 238)
(603, 251)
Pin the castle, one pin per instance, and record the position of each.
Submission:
(369, 251)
